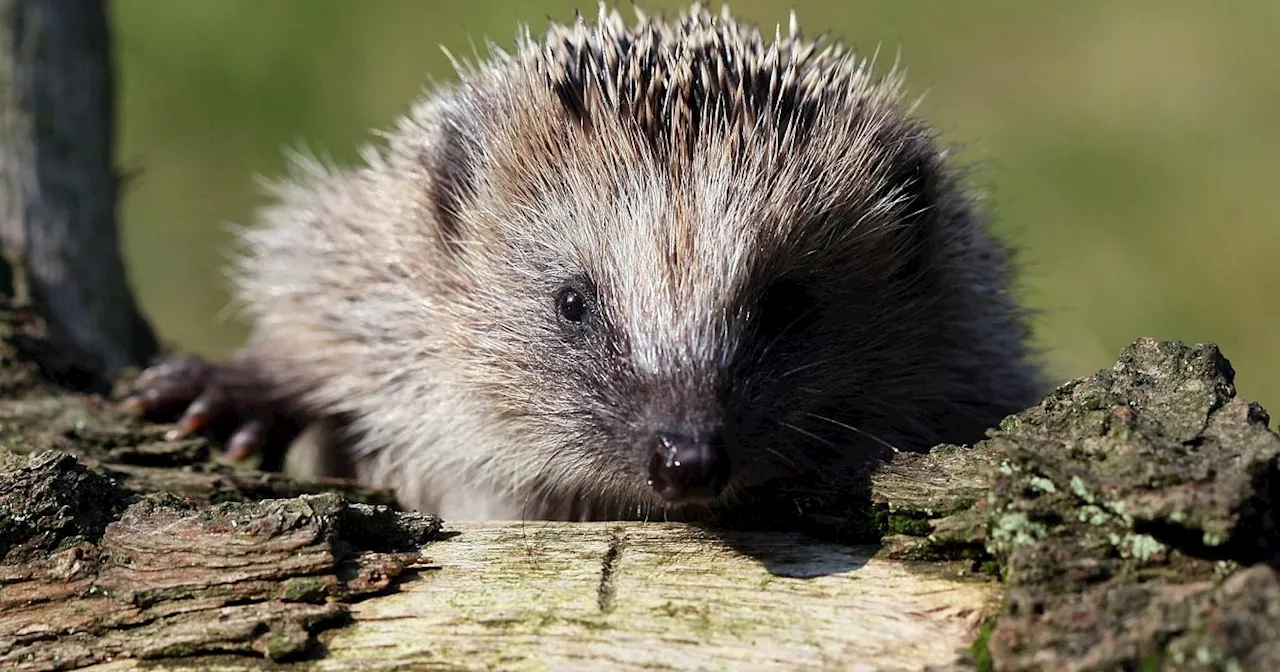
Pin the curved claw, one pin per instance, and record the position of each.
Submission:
(206, 409)
(248, 440)
(169, 387)
(223, 401)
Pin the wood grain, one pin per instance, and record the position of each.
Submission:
(660, 596)
(650, 596)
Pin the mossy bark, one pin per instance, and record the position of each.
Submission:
(1134, 516)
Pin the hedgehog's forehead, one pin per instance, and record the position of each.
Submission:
(672, 246)
(671, 224)
(674, 242)
(672, 268)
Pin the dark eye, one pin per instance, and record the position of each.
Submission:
(788, 306)
(571, 304)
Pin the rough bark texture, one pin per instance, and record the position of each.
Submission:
(91, 572)
(1135, 516)
(58, 187)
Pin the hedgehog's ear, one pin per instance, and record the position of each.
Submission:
(449, 160)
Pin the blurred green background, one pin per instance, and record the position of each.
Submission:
(1132, 148)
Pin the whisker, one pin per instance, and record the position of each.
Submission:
(804, 367)
(811, 435)
(851, 428)
(786, 460)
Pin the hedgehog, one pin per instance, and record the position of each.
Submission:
(625, 271)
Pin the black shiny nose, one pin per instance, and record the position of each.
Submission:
(683, 469)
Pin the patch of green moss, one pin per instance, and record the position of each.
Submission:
(914, 527)
(311, 589)
(1143, 547)
(286, 643)
(863, 527)
(1092, 402)
(1042, 484)
(1152, 662)
(979, 651)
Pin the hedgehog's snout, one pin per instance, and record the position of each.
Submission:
(686, 469)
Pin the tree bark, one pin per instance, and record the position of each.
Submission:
(58, 188)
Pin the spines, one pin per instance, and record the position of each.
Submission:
(700, 75)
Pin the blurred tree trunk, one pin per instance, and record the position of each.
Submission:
(58, 188)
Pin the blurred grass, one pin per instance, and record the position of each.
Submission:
(1130, 147)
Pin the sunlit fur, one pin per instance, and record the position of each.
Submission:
(693, 178)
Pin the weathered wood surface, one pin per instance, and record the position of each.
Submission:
(58, 188)
(662, 596)
(657, 596)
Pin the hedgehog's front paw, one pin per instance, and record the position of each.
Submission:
(228, 402)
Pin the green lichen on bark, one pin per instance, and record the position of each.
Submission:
(1134, 516)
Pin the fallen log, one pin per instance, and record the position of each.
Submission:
(1127, 521)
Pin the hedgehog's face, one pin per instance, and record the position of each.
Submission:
(675, 364)
(687, 394)
(664, 335)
